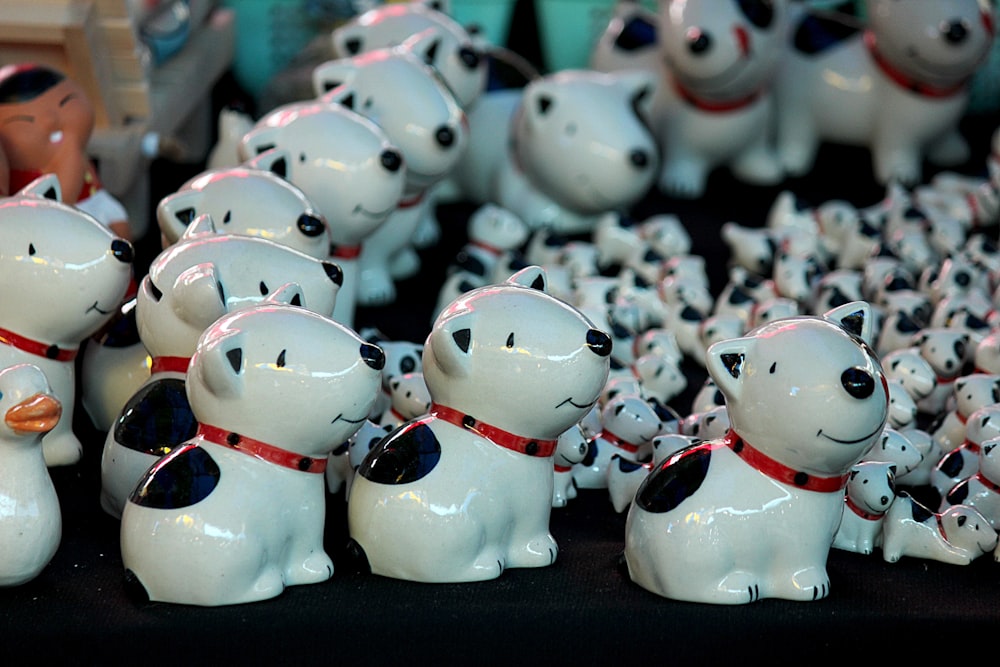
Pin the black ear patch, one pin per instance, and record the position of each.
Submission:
(263, 148)
(353, 46)
(463, 338)
(185, 215)
(50, 194)
(733, 363)
(854, 323)
(431, 53)
(544, 104)
(538, 283)
(280, 168)
(235, 357)
(348, 102)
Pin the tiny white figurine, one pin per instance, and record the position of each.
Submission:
(31, 522)
(717, 102)
(628, 425)
(870, 490)
(957, 535)
(57, 256)
(981, 490)
(897, 87)
(236, 513)
(188, 287)
(466, 492)
(409, 399)
(571, 448)
(753, 515)
(963, 461)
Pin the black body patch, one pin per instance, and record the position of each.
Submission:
(675, 480)
(627, 465)
(637, 33)
(407, 454)
(951, 463)
(817, 33)
(958, 493)
(180, 479)
(157, 418)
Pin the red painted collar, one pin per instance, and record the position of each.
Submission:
(988, 483)
(411, 201)
(713, 106)
(345, 251)
(864, 514)
(492, 249)
(169, 364)
(506, 439)
(560, 468)
(37, 348)
(261, 450)
(970, 446)
(617, 441)
(904, 80)
(779, 471)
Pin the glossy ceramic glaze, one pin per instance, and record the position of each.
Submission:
(56, 255)
(237, 513)
(30, 520)
(753, 515)
(188, 287)
(466, 492)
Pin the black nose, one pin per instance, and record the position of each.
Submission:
(698, 42)
(963, 279)
(955, 32)
(599, 342)
(469, 57)
(335, 273)
(639, 158)
(310, 225)
(391, 160)
(123, 251)
(373, 356)
(858, 383)
(445, 136)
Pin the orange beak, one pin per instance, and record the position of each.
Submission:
(38, 414)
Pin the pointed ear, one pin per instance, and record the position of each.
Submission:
(341, 96)
(219, 363)
(855, 316)
(288, 294)
(639, 87)
(257, 141)
(538, 102)
(726, 362)
(197, 297)
(202, 224)
(423, 44)
(45, 186)
(327, 76)
(530, 276)
(348, 40)
(176, 212)
(275, 160)
(451, 345)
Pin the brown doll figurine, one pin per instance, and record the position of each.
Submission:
(45, 123)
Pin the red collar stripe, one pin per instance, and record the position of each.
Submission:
(779, 471)
(506, 439)
(411, 201)
(559, 468)
(492, 249)
(988, 483)
(713, 106)
(970, 446)
(35, 347)
(261, 450)
(864, 514)
(345, 251)
(903, 80)
(169, 364)
(621, 443)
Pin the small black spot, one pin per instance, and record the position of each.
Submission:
(801, 479)
(531, 448)
(305, 463)
(468, 421)
(233, 439)
(52, 352)
(773, 367)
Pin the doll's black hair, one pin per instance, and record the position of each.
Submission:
(24, 83)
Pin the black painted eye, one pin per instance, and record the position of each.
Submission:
(510, 340)
(758, 12)
(857, 382)
(774, 367)
(698, 41)
(227, 217)
(408, 365)
(955, 32)
(280, 362)
(302, 157)
(31, 249)
(263, 288)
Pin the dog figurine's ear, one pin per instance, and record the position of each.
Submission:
(530, 276)
(220, 365)
(450, 344)
(855, 317)
(726, 362)
(45, 186)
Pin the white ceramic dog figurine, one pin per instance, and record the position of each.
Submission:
(957, 535)
(717, 107)
(237, 512)
(466, 492)
(753, 515)
(870, 491)
(898, 87)
(188, 287)
(66, 275)
(31, 524)
(571, 448)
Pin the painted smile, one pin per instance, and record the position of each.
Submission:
(581, 406)
(341, 417)
(372, 214)
(98, 309)
(848, 442)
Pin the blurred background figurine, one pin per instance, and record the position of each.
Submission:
(46, 121)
